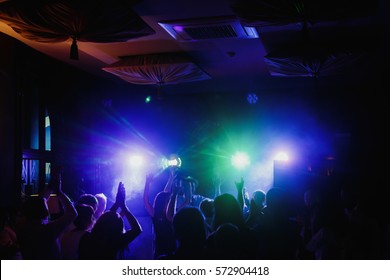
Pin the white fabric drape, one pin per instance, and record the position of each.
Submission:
(157, 69)
(83, 20)
(309, 61)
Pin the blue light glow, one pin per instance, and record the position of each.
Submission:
(252, 98)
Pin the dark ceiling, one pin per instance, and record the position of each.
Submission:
(234, 63)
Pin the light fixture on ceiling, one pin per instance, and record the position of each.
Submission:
(226, 27)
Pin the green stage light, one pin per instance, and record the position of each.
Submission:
(240, 160)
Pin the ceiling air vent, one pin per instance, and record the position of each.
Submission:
(208, 28)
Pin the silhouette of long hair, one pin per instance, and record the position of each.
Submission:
(227, 210)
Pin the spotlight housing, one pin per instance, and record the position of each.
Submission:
(173, 161)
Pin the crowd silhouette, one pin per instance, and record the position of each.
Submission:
(335, 225)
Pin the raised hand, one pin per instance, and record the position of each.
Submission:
(240, 193)
(240, 185)
(121, 195)
(217, 183)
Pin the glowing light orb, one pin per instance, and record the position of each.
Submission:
(240, 160)
(148, 99)
(281, 156)
(136, 161)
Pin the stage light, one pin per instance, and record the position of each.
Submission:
(173, 161)
(281, 156)
(130, 167)
(240, 160)
(136, 161)
(148, 99)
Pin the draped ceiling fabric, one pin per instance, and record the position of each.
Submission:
(305, 59)
(79, 20)
(282, 12)
(309, 60)
(157, 69)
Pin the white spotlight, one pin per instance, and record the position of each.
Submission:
(136, 161)
(281, 156)
(173, 161)
(240, 160)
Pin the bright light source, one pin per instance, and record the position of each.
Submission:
(240, 160)
(136, 161)
(47, 121)
(173, 160)
(148, 99)
(281, 156)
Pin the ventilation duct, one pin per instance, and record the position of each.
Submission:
(208, 28)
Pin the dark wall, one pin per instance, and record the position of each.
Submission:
(10, 152)
(71, 98)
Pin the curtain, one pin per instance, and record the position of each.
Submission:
(157, 69)
(310, 60)
(79, 20)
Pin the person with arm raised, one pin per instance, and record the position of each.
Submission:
(108, 239)
(39, 236)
